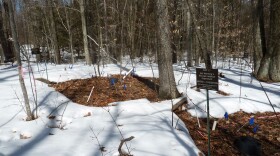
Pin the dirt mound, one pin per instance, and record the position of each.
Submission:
(222, 139)
(106, 90)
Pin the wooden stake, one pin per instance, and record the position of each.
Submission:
(90, 94)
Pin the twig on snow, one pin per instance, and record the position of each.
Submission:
(121, 144)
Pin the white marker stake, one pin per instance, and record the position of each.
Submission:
(214, 125)
(90, 94)
(127, 73)
(197, 117)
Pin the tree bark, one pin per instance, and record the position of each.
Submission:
(30, 116)
(70, 35)
(84, 28)
(53, 33)
(1, 55)
(167, 88)
(257, 50)
(189, 40)
(213, 32)
(7, 51)
(173, 32)
(274, 68)
(265, 62)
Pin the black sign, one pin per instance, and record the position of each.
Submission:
(35, 51)
(207, 79)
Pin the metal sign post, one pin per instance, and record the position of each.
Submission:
(208, 122)
(207, 79)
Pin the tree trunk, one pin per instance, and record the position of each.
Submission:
(167, 87)
(265, 62)
(213, 32)
(189, 40)
(70, 35)
(53, 33)
(264, 66)
(30, 116)
(173, 32)
(257, 50)
(201, 41)
(1, 55)
(7, 52)
(84, 28)
(274, 68)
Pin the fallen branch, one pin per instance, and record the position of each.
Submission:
(121, 144)
(264, 117)
(179, 104)
(203, 136)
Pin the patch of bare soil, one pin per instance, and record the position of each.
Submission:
(107, 90)
(222, 139)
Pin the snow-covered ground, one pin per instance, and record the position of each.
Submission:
(84, 129)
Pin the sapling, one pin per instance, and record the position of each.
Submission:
(151, 65)
(119, 130)
(50, 116)
(31, 76)
(251, 122)
(20, 101)
(199, 108)
(30, 116)
(101, 148)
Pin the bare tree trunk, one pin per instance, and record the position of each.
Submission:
(84, 28)
(1, 55)
(30, 116)
(69, 34)
(53, 33)
(257, 50)
(189, 39)
(132, 28)
(7, 53)
(167, 87)
(213, 32)
(265, 62)
(106, 29)
(256, 43)
(173, 32)
(274, 68)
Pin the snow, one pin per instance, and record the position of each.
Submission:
(77, 129)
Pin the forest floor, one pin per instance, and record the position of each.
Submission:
(108, 90)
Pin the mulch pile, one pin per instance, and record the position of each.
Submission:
(105, 92)
(223, 137)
